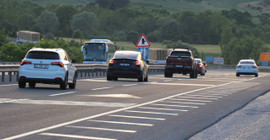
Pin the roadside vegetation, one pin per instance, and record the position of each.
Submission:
(231, 33)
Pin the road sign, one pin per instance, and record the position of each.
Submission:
(264, 56)
(264, 63)
(143, 42)
(144, 51)
(209, 59)
(218, 60)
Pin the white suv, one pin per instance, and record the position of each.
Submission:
(50, 66)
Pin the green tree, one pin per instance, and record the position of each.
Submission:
(170, 31)
(112, 4)
(3, 37)
(133, 37)
(47, 22)
(87, 22)
(65, 14)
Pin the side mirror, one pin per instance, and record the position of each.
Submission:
(147, 61)
(82, 48)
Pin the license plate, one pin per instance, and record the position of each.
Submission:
(41, 66)
(179, 66)
(124, 64)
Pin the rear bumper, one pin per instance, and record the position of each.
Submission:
(119, 73)
(41, 80)
(178, 69)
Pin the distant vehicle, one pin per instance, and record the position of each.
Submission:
(28, 36)
(50, 66)
(127, 64)
(181, 61)
(200, 66)
(97, 51)
(247, 67)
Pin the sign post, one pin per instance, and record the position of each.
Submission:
(143, 46)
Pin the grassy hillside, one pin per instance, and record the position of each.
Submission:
(182, 5)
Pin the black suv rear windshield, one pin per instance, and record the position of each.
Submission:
(180, 53)
(42, 55)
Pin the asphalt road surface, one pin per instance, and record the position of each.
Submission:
(161, 109)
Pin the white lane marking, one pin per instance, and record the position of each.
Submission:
(190, 97)
(93, 80)
(74, 136)
(199, 95)
(147, 112)
(7, 100)
(129, 85)
(168, 109)
(49, 102)
(167, 80)
(126, 123)
(137, 117)
(101, 88)
(65, 93)
(9, 85)
(191, 103)
(114, 96)
(181, 84)
(110, 112)
(102, 129)
(184, 106)
(190, 100)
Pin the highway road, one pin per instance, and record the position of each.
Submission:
(163, 108)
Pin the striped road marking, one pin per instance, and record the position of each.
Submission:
(101, 88)
(137, 117)
(65, 93)
(146, 112)
(127, 123)
(74, 136)
(184, 106)
(102, 129)
(168, 109)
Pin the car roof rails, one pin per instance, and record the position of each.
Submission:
(182, 48)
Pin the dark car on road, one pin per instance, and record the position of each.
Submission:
(181, 61)
(127, 64)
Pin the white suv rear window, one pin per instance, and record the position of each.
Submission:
(42, 55)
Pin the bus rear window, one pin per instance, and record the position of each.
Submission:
(42, 55)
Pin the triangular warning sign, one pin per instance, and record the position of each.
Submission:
(143, 42)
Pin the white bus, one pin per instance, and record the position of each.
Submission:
(97, 51)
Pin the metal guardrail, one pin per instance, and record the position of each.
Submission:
(9, 73)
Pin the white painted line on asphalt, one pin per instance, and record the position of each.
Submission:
(191, 103)
(146, 112)
(199, 95)
(168, 109)
(184, 106)
(110, 112)
(192, 97)
(114, 96)
(137, 117)
(204, 101)
(101, 88)
(93, 80)
(102, 129)
(7, 100)
(181, 84)
(65, 93)
(126, 123)
(74, 103)
(129, 85)
(74, 136)
(9, 85)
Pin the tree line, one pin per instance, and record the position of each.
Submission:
(231, 29)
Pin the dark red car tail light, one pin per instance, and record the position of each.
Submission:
(138, 63)
(25, 62)
(111, 62)
(58, 63)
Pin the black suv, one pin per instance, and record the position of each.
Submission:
(181, 61)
